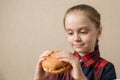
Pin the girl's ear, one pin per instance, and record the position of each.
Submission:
(99, 32)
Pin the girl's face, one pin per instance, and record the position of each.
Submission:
(81, 32)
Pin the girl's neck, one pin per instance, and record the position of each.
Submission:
(85, 53)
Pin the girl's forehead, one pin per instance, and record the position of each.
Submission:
(77, 16)
(78, 21)
(76, 12)
(78, 28)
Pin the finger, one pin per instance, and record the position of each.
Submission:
(61, 54)
(43, 56)
(46, 53)
(41, 59)
(65, 60)
(64, 54)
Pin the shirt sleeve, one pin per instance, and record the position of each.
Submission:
(109, 72)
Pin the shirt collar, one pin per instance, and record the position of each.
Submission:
(90, 58)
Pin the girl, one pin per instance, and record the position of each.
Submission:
(82, 25)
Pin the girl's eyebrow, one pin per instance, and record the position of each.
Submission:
(83, 27)
(68, 29)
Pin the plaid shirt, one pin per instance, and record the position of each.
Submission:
(94, 68)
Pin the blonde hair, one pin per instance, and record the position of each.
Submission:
(91, 12)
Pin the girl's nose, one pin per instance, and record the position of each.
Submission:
(77, 37)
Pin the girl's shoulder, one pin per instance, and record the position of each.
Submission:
(105, 63)
(107, 70)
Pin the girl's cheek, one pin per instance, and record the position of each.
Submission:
(87, 38)
(69, 39)
(90, 40)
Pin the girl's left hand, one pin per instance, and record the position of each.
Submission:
(76, 71)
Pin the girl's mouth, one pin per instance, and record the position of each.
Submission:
(78, 45)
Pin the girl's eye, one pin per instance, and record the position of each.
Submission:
(70, 33)
(84, 32)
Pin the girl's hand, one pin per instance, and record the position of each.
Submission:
(40, 74)
(76, 71)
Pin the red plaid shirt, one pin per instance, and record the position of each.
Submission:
(94, 67)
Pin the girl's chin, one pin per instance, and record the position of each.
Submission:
(83, 51)
(80, 50)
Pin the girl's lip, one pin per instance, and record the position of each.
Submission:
(78, 46)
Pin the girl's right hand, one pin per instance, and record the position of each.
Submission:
(40, 74)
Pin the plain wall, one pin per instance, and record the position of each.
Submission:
(29, 27)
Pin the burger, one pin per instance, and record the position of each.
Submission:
(53, 66)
